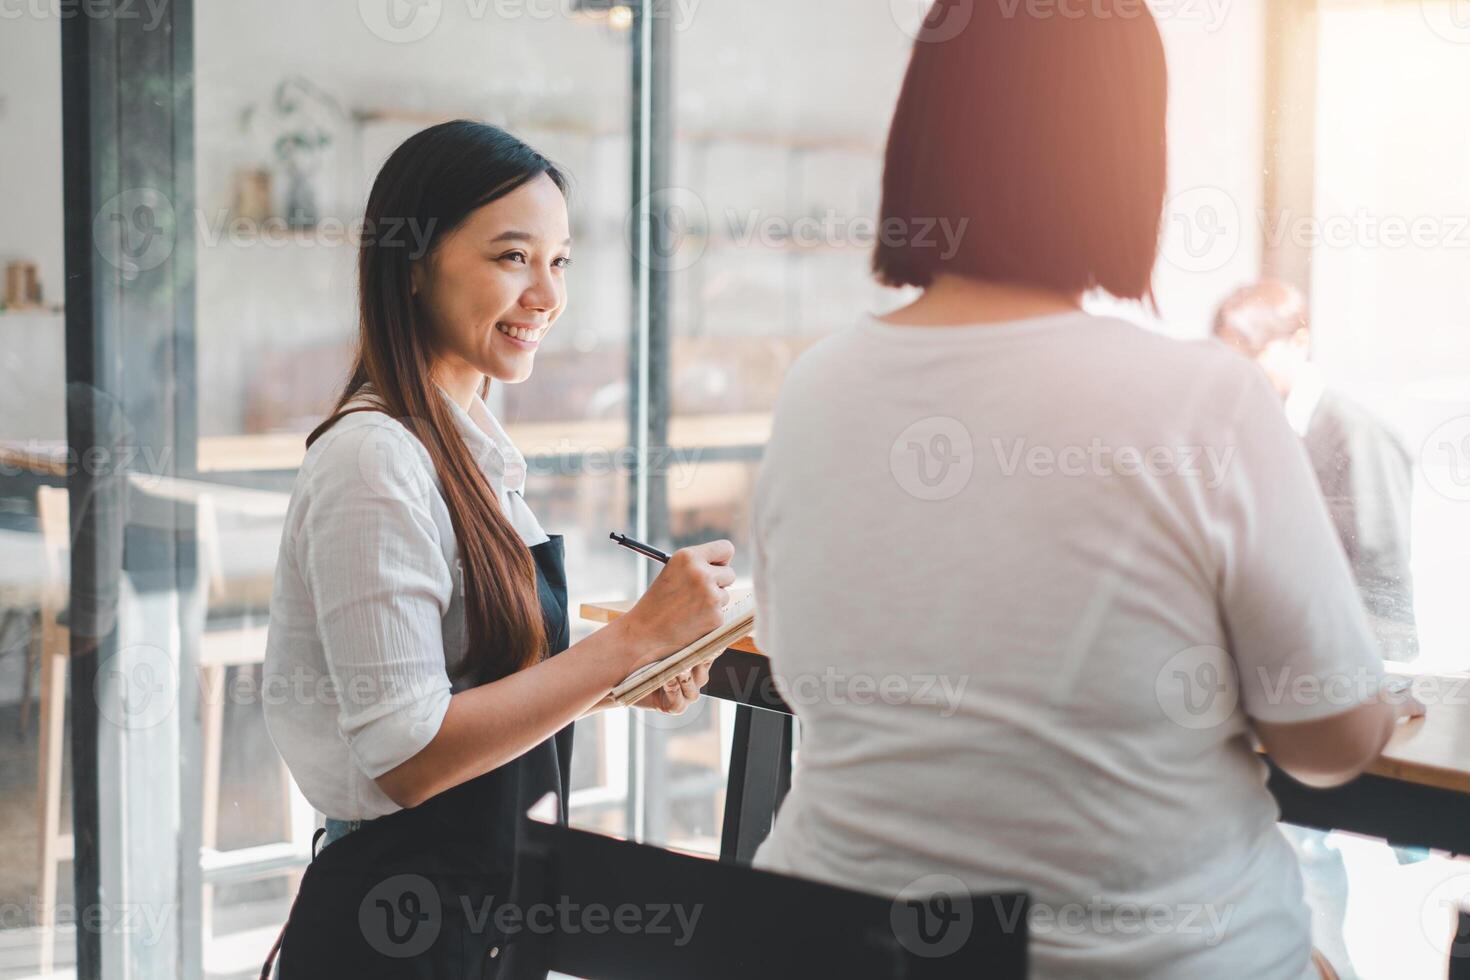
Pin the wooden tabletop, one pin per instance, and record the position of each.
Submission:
(285, 450)
(1432, 751)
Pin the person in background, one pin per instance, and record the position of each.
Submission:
(1366, 474)
(1366, 477)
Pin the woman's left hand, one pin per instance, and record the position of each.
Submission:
(675, 697)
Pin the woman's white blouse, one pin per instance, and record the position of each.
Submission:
(368, 607)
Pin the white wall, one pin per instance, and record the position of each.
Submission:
(1211, 241)
(30, 147)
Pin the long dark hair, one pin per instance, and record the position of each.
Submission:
(425, 190)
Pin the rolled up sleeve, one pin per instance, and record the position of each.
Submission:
(372, 559)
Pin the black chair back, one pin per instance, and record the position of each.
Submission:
(1460, 948)
(627, 911)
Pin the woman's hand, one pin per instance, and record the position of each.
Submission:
(675, 697)
(686, 601)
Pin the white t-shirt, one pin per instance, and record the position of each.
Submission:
(998, 569)
(368, 608)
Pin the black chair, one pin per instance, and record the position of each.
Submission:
(686, 917)
(1460, 949)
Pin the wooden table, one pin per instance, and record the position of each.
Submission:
(1416, 794)
(284, 451)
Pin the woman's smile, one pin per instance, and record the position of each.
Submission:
(526, 336)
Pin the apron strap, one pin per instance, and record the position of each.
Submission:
(270, 959)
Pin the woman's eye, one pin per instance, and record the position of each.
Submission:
(563, 262)
(514, 257)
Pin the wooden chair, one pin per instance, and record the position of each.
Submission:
(750, 923)
(219, 650)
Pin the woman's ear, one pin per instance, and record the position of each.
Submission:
(415, 277)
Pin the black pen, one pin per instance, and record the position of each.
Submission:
(646, 550)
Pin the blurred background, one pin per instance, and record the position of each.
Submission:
(230, 148)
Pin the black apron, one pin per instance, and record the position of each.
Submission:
(430, 891)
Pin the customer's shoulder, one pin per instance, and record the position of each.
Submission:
(1205, 354)
(1125, 344)
(1161, 363)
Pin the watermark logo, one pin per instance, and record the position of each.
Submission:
(1100, 916)
(1445, 459)
(1210, 14)
(677, 229)
(931, 22)
(696, 716)
(833, 230)
(135, 230)
(1198, 688)
(153, 10)
(1207, 464)
(1439, 916)
(391, 461)
(147, 924)
(1203, 229)
(934, 458)
(834, 686)
(1449, 19)
(932, 916)
(401, 916)
(400, 21)
(137, 687)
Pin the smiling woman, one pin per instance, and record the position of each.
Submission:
(496, 285)
(416, 582)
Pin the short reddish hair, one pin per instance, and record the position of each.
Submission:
(1042, 128)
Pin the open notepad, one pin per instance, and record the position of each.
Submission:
(739, 623)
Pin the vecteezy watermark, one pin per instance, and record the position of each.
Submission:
(144, 920)
(932, 916)
(1439, 916)
(1204, 226)
(135, 230)
(1100, 916)
(392, 462)
(1445, 459)
(149, 11)
(407, 233)
(353, 694)
(840, 686)
(1365, 229)
(1343, 689)
(832, 229)
(1210, 14)
(668, 230)
(403, 915)
(137, 687)
(1202, 229)
(929, 22)
(146, 463)
(1205, 463)
(1450, 19)
(933, 458)
(1197, 688)
(1202, 687)
(695, 715)
(406, 21)
(566, 458)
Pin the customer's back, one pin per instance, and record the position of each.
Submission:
(1000, 567)
(1030, 578)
